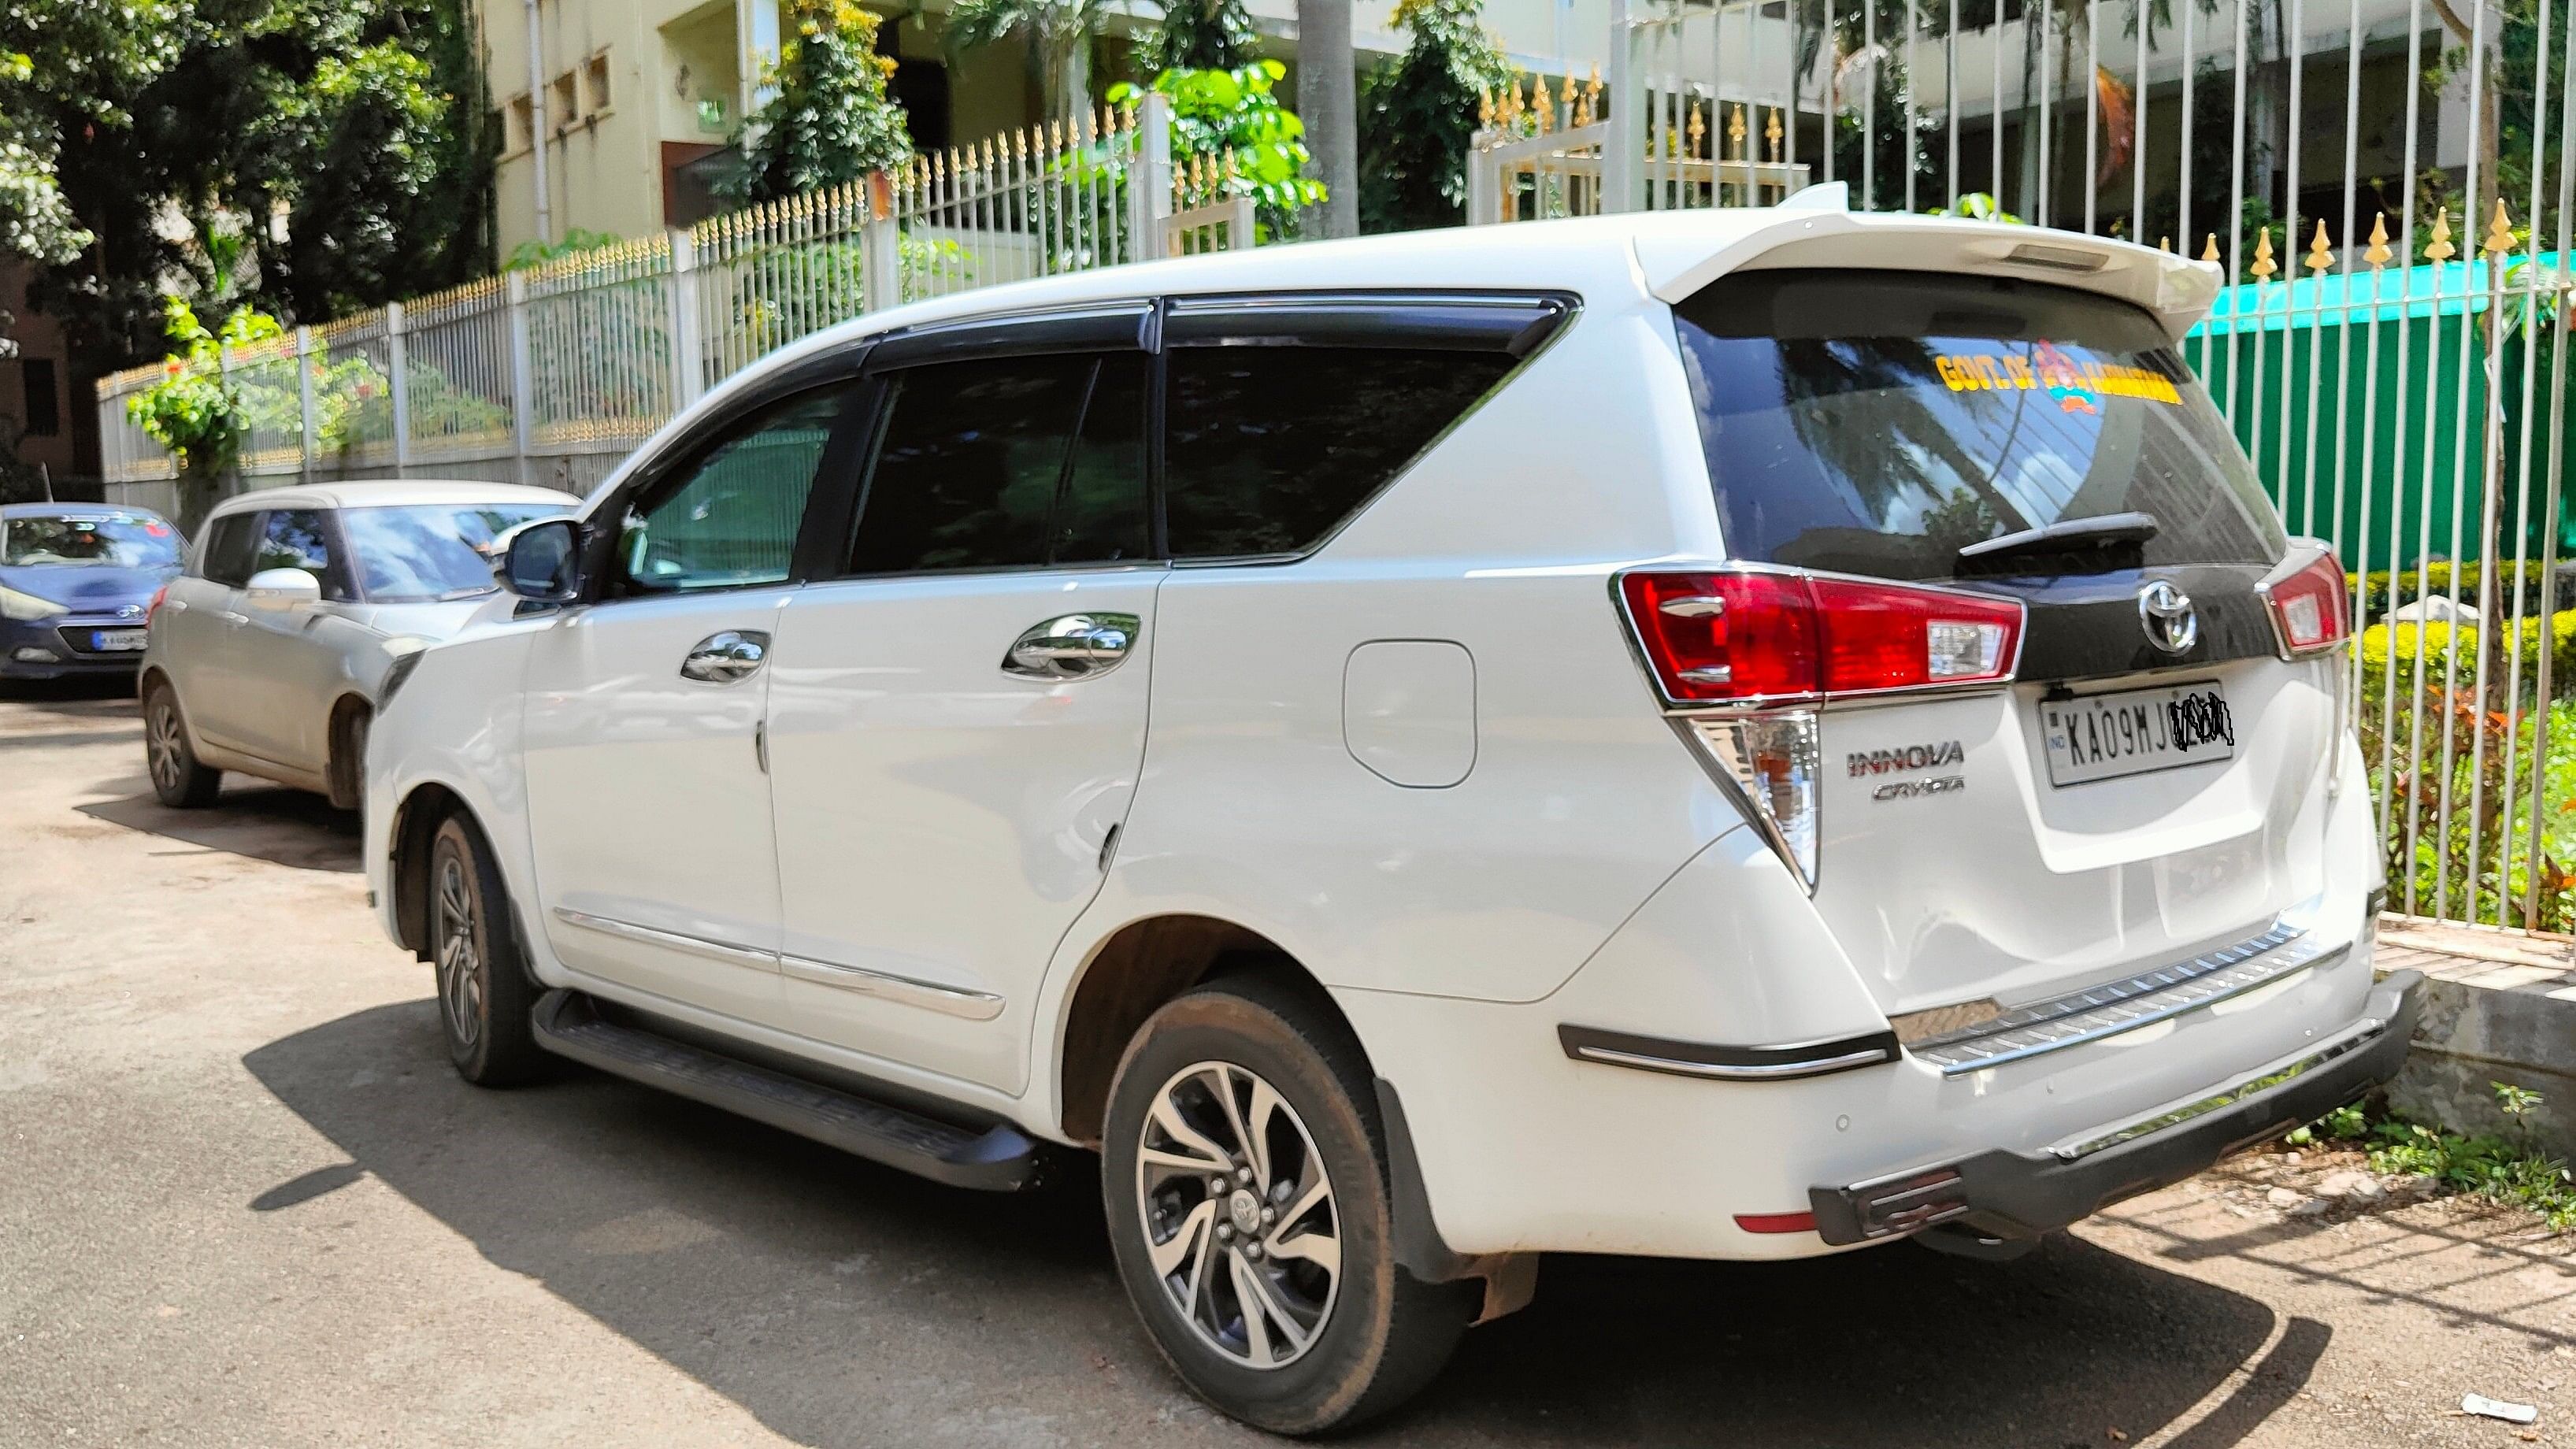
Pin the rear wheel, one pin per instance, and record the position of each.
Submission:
(484, 994)
(1243, 1174)
(178, 778)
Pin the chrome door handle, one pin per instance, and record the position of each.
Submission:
(1072, 646)
(729, 657)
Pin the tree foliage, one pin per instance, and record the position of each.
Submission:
(1203, 35)
(1418, 116)
(1059, 36)
(829, 119)
(1236, 114)
(319, 155)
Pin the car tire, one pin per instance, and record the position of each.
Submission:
(484, 992)
(1343, 1333)
(180, 780)
(346, 769)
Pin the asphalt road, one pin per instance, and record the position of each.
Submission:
(243, 1201)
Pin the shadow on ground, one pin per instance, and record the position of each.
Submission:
(266, 822)
(56, 712)
(831, 1298)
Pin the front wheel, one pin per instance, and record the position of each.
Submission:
(484, 994)
(1243, 1173)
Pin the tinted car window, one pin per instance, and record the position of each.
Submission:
(119, 540)
(731, 516)
(300, 538)
(1267, 449)
(1009, 462)
(419, 553)
(230, 543)
(1875, 423)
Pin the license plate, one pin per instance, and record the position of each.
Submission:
(2134, 731)
(117, 641)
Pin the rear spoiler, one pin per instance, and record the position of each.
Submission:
(1676, 258)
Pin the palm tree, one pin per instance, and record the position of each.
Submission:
(1058, 34)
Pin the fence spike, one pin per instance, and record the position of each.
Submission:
(2209, 253)
(2439, 249)
(2320, 255)
(2499, 231)
(2263, 266)
(2164, 243)
(1735, 132)
(1773, 134)
(1542, 107)
(2379, 253)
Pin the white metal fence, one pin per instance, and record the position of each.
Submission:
(2387, 187)
(551, 374)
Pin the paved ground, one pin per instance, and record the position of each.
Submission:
(243, 1201)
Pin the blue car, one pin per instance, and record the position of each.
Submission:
(76, 587)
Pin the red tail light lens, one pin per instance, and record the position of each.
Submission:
(154, 607)
(1744, 638)
(2309, 608)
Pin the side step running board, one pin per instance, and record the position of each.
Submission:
(998, 1159)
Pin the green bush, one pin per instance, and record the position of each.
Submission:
(2386, 589)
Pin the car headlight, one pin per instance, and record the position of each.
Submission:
(27, 607)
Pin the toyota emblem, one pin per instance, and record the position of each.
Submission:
(2165, 612)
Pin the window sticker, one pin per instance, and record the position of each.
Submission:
(2077, 386)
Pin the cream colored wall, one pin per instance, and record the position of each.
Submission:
(604, 171)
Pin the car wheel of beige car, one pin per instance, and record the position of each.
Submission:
(1247, 1200)
(484, 994)
(178, 778)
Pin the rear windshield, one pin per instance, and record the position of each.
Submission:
(1875, 423)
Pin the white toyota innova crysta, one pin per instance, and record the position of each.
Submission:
(1720, 735)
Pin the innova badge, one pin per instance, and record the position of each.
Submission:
(2166, 613)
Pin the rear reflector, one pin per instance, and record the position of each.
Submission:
(1776, 1222)
(2308, 607)
(1764, 637)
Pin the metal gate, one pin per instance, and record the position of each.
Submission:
(2387, 189)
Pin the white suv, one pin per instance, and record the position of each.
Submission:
(1731, 735)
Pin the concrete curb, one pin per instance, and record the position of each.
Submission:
(2498, 1007)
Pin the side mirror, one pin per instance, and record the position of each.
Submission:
(541, 561)
(282, 589)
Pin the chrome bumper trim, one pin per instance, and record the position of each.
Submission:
(2128, 1004)
(731, 955)
(1726, 1063)
(906, 990)
(2364, 1032)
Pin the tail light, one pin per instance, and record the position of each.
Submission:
(154, 607)
(2309, 608)
(1774, 644)
(1773, 638)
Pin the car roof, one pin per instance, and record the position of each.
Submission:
(74, 510)
(389, 492)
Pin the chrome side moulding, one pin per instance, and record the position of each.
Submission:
(726, 952)
(909, 991)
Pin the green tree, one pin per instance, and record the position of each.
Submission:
(1418, 116)
(1235, 116)
(1203, 35)
(323, 155)
(829, 119)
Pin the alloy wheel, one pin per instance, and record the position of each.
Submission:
(460, 965)
(1240, 1222)
(162, 746)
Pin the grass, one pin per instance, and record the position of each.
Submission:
(2497, 1168)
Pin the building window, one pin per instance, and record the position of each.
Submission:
(523, 125)
(44, 397)
(566, 101)
(595, 76)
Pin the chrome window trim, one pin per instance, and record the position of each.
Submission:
(907, 990)
(725, 951)
(2112, 1008)
(2366, 1031)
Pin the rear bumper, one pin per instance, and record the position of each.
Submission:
(2008, 1194)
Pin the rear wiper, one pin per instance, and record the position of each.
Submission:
(2067, 535)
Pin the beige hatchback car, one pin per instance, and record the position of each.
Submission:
(267, 654)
